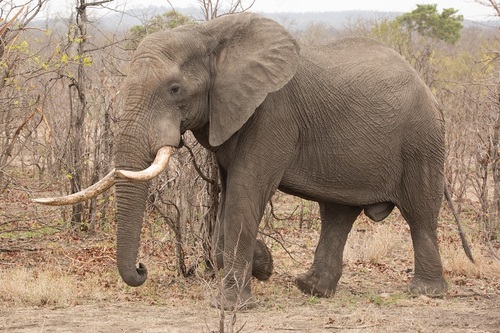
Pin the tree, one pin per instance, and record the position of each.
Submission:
(468, 89)
(19, 63)
(316, 34)
(417, 34)
(168, 20)
(490, 155)
(428, 22)
(212, 9)
(78, 84)
(82, 66)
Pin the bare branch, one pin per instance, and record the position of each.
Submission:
(212, 9)
(495, 5)
(197, 167)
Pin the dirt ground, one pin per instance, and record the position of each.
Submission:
(469, 314)
(467, 311)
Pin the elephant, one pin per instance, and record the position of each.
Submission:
(349, 125)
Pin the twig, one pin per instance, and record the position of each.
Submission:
(273, 214)
(492, 250)
(349, 327)
(280, 243)
(197, 167)
(19, 249)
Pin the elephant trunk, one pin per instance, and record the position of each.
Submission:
(133, 153)
(130, 205)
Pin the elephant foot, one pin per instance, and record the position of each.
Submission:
(262, 266)
(421, 286)
(231, 301)
(317, 284)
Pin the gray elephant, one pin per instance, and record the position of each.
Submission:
(349, 125)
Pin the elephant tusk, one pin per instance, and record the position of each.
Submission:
(90, 192)
(159, 164)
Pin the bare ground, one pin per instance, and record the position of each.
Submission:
(466, 312)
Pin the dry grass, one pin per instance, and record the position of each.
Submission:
(37, 287)
(458, 265)
(378, 243)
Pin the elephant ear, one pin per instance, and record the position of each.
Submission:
(252, 56)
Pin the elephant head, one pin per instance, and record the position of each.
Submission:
(208, 78)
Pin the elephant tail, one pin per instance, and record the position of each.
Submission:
(465, 244)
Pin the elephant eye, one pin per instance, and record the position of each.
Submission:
(175, 89)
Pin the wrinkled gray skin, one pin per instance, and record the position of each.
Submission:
(351, 126)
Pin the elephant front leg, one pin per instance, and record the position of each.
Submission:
(336, 223)
(243, 209)
(253, 175)
(262, 264)
(239, 244)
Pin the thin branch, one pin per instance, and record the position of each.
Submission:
(280, 242)
(281, 218)
(490, 3)
(92, 4)
(197, 167)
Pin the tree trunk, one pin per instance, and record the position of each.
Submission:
(492, 223)
(212, 202)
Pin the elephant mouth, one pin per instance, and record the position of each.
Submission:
(158, 166)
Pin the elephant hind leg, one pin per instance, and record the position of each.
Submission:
(429, 278)
(336, 223)
(421, 211)
(262, 265)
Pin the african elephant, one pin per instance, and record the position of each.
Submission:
(349, 125)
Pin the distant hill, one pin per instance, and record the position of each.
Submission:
(297, 21)
(336, 20)
(114, 21)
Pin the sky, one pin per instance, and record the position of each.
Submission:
(469, 8)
